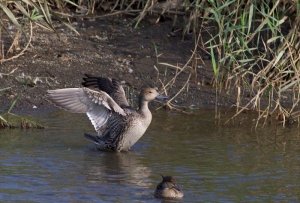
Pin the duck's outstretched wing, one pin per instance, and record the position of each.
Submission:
(110, 86)
(97, 105)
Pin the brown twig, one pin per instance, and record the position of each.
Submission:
(22, 52)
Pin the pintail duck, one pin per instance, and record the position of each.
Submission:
(119, 126)
(168, 188)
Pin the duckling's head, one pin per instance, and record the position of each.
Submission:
(169, 181)
(168, 188)
(149, 94)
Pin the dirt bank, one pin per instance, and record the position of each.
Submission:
(107, 47)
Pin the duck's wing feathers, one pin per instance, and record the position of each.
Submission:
(110, 86)
(112, 137)
(99, 106)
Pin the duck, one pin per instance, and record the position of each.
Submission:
(118, 125)
(168, 188)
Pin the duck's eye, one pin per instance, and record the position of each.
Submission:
(150, 92)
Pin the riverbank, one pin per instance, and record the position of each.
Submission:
(111, 47)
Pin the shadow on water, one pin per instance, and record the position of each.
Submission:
(211, 163)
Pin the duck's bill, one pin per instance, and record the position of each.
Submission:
(177, 188)
(161, 97)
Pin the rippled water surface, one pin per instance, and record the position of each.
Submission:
(211, 163)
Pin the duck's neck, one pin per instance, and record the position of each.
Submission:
(143, 106)
(145, 113)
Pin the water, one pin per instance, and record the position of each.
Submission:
(211, 163)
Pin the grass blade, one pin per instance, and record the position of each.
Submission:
(279, 57)
(250, 18)
(22, 9)
(6, 88)
(64, 22)
(288, 86)
(10, 15)
(15, 101)
(1, 118)
(213, 60)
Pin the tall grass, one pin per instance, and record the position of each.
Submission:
(257, 44)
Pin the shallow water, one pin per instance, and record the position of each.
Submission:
(211, 163)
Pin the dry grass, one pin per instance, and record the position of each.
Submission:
(252, 49)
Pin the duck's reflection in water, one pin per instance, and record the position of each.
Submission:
(120, 168)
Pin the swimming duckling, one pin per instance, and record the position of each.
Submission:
(168, 188)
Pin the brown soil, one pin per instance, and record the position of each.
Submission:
(108, 47)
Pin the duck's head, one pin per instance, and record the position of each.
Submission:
(168, 188)
(169, 182)
(149, 94)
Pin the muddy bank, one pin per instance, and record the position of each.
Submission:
(108, 47)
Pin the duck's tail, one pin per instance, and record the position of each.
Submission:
(92, 138)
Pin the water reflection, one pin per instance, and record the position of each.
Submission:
(116, 167)
(212, 163)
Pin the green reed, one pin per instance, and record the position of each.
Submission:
(255, 53)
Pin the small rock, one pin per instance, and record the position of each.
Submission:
(63, 58)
